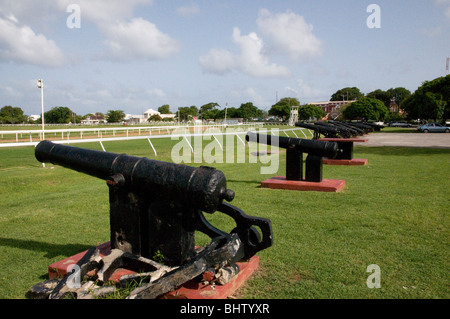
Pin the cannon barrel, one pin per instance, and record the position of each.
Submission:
(376, 127)
(362, 126)
(354, 130)
(343, 132)
(203, 187)
(312, 147)
(328, 131)
(317, 127)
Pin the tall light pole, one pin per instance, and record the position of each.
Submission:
(226, 107)
(40, 84)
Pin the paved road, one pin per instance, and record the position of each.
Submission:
(432, 140)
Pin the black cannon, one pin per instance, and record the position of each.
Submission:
(155, 207)
(295, 147)
(327, 131)
(376, 127)
(353, 130)
(366, 128)
(343, 132)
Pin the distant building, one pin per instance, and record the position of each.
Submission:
(93, 119)
(142, 119)
(134, 119)
(331, 106)
(395, 108)
(34, 117)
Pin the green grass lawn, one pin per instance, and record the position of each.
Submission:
(393, 213)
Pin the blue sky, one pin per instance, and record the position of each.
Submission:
(140, 54)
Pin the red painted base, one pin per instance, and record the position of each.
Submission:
(59, 268)
(196, 290)
(326, 185)
(354, 161)
(193, 289)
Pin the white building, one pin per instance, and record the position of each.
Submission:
(93, 120)
(134, 119)
(142, 119)
(35, 117)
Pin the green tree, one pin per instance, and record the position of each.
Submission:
(59, 115)
(425, 105)
(209, 111)
(381, 95)
(164, 109)
(366, 109)
(11, 115)
(347, 94)
(114, 116)
(187, 112)
(430, 101)
(398, 95)
(305, 112)
(248, 111)
(155, 118)
(283, 107)
(232, 112)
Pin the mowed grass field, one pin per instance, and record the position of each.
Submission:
(393, 212)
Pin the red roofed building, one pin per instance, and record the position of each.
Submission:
(330, 106)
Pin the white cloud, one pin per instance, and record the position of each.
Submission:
(138, 39)
(218, 61)
(307, 91)
(104, 12)
(97, 11)
(126, 38)
(289, 33)
(21, 44)
(445, 3)
(189, 10)
(251, 60)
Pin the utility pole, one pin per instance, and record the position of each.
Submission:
(40, 84)
(225, 119)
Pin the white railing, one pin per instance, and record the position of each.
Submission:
(185, 135)
(13, 138)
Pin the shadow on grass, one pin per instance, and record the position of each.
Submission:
(52, 250)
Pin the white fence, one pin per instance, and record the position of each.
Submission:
(149, 133)
(32, 137)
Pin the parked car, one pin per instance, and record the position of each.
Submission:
(434, 128)
(399, 124)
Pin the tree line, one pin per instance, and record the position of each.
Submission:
(430, 101)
